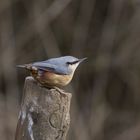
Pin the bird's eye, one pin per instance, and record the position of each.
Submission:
(71, 63)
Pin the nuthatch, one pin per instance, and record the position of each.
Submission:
(55, 72)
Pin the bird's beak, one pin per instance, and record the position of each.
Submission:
(81, 60)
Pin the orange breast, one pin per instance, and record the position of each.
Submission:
(52, 79)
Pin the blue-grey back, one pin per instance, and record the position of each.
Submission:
(56, 65)
(61, 60)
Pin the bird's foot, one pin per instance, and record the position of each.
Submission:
(61, 91)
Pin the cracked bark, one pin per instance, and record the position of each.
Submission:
(44, 113)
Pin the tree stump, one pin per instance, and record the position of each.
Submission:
(44, 113)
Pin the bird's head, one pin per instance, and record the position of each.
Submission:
(73, 63)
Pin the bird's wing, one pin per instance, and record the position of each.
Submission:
(52, 68)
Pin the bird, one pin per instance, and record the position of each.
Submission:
(54, 72)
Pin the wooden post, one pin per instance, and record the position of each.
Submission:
(44, 113)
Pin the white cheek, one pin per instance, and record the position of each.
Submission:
(73, 67)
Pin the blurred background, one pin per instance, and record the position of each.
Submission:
(105, 88)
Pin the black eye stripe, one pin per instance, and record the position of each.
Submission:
(74, 62)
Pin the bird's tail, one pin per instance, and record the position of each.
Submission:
(25, 66)
(21, 66)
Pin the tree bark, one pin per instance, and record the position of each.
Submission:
(44, 113)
